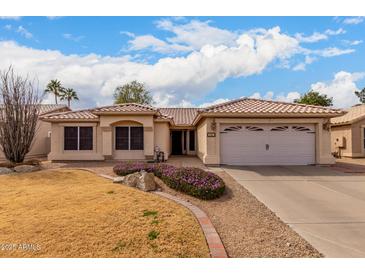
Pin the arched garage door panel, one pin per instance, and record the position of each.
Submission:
(292, 144)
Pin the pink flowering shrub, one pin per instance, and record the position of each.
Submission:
(193, 181)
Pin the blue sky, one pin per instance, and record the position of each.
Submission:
(190, 61)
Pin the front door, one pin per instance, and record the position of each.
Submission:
(176, 142)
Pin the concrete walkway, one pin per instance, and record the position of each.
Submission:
(325, 206)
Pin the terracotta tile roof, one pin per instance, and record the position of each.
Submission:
(354, 114)
(258, 106)
(181, 116)
(47, 108)
(129, 107)
(72, 115)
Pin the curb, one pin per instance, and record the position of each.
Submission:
(215, 245)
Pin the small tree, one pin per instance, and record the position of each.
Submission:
(314, 98)
(133, 92)
(69, 94)
(18, 115)
(54, 87)
(361, 95)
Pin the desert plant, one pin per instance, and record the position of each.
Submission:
(18, 115)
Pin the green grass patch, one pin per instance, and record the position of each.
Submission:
(147, 213)
(153, 234)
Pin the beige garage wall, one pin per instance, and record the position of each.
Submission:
(358, 139)
(341, 136)
(41, 143)
(209, 147)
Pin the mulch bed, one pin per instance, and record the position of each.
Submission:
(247, 227)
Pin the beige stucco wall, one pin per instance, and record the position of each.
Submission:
(201, 144)
(41, 143)
(354, 136)
(209, 147)
(162, 138)
(57, 144)
(104, 135)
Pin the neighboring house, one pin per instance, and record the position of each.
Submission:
(41, 142)
(240, 132)
(348, 133)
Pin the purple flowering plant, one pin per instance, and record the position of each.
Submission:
(193, 181)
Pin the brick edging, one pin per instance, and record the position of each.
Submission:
(216, 247)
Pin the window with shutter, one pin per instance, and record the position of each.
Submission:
(122, 138)
(136, 138)
(86, 138)
(71, 138)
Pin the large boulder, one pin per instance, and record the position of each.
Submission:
(5, 170)
(26, 168)
(146, 181)
(132, 179)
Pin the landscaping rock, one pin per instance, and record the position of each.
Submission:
(132, 179)
(26, 168)
(119, 180)
(146, 181)
(5, 170)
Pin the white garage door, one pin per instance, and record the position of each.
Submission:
(243, 144)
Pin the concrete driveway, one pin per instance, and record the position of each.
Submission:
(325, 206)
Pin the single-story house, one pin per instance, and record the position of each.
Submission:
(240, 132)
(41, 142)
(348, 133)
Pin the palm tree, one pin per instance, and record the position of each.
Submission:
(69, 94)
(54, 87)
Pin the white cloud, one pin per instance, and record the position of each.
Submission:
(24, 32)
(128, 33)
(171, 80)
(341, 88)
(197, 34)
(302, 66)
(315, 37)
(331, 52)
(353, 20)
(352, 43)
(215, 102)
(335, 32)
(289, 97)
(72, 37)
(155, 44)
(8, 27)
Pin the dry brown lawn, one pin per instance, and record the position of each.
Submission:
(74, 213)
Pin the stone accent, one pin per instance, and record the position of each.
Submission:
(26, 168)
(118, 180)
(141, 180)
(5, 170)
(132, 179)
(146, 181)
